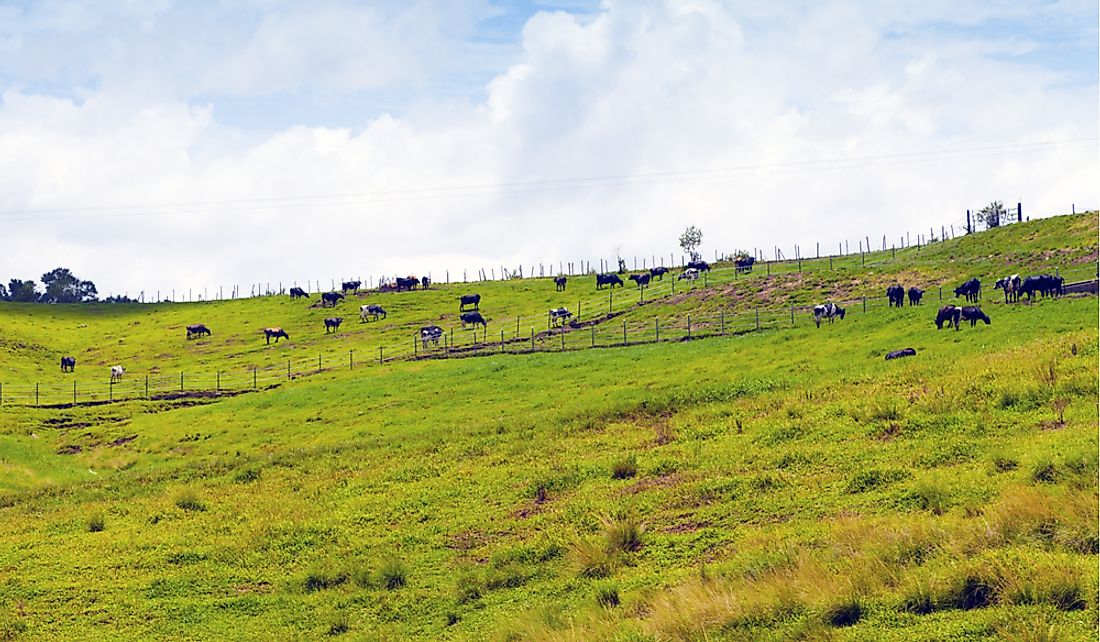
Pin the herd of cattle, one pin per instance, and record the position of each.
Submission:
(952, 315)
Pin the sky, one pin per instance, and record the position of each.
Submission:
(152, 145)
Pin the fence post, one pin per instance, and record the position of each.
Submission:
(351, 356)
(792, 314)
(111, 390)
(689, 326)
(610, 298)
(380, 362)
(181, 380)
(318, 363)
(830, 261)
(36, 393)
(624, 332)
(218, 381)
(1, 393)
(941, 293)
(561, 335)
(414, 346)
(146, 389)
(502, 340)
(657, 328)
(865, 304)
(288, 368)
(757, 317)
(593, 328)
(532, 339)
(253, 377)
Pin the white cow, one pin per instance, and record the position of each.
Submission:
(371, 310)
(690, 274)
(116, 373)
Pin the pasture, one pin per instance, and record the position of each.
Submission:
(783, 484)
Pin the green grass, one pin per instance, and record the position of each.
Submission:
(786, 483)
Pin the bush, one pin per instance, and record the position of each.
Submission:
(625, 468)
(607, 595)
(392, 574)
(96, 523)
(189, 500)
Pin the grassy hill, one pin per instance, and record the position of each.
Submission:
(782, 484)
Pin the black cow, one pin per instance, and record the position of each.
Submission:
(197, 330)
(896, 295)
(745, 263)
(68, 364)
(425, 282)
(350, 285)
(469, 299)
(333, 324)
(472, 318)
(949, 314)
(559, 316)
(1044, 284)
(897, 354)
(658, 272)
(372, 310)
(331, 298)
(972, 290)
(914, 296)
(559, 283)
(298, 293)
(973, 314)
(702, 266)
(277, 333)
(640, 280)
(608, 279)
(430, 333)
(408, 283)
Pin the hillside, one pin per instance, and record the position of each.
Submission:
(776, 484)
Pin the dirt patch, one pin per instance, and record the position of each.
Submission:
(122, 440)
(685, 527)
(467, 540)
(71, 449)
(258, 587)
(650, 483)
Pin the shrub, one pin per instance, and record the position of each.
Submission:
(625, 468)
(96, 523)
(392, 574)
(189, 500)
(607, 595)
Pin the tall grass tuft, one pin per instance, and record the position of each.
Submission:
(339, 625)
(392, 574)
(96, 523)
(607, 595)
(625, 468)
(844, 612)
(189, 500)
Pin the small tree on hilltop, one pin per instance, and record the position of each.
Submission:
(690, 241)
(22, 291)
(993, 214)
(62, 286)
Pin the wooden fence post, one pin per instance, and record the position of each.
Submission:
(624, 332)
(657, 328)
(254, 368)
(181, 379)
(792, 314)
(351, 356)
(146, 389)
(318, 363)
(757, 317)
(380, 360)
(36, 393)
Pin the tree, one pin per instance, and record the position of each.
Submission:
(690, 240)
(62, 286)
(993, 214)
(22, 291)
(3, 293)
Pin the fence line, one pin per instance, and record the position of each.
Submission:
(602, 329)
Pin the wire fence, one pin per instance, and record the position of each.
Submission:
(618, 321)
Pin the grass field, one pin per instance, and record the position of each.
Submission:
(781, 484)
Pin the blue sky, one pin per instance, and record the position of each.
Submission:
(126, 126)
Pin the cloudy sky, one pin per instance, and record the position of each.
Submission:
(152, 144)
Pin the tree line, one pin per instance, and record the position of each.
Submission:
(59, 285)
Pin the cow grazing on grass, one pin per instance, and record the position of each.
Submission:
(371, 310)
(116, 373)
(744, 263)
(332, 324)
(897, 354)
(197, 330)
(558, 316)
(278, 333)
(1011, 287)
(350, 285)
(559, 283)
(828, 311)
(658, 272)
(425, 282)
(608, 279)
(949, 314)
(430, 333)
(331, 298)
(469, 299)
(1045, 285)
(472, 318)
(407, 283)
(68, 364)
(972, 290)
(896, 295)
(702, 266)
(690, 274)
(973, 314)
(914, 296)
(641, 280)
(298, 293)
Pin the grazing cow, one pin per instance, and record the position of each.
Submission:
(897, 354)
(914, 296)
(350, 285)
(469, 299)
(1045, 284)
(608, 279)
(828, 311)
(197, 330)
(690, 274)
(425, 282)
(558, 316)
(68, 364)
(116, 373)
(472, 318)
(949, 314)
(744, 263)
(896, 295)
(430, 333)
(333, 324)
(298, 293)
(331, 298)
(641, 280)
(559, 283)
(973, 314)
(372, 310)
(1011, 286)
(702, 266)
(408, 283)
(277, 333)
(972, 290)
(658, 272)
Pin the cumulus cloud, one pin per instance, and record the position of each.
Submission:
(698, 113)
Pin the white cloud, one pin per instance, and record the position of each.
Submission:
(637, 89)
